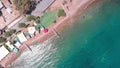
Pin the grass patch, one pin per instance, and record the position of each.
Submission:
(48, 18)
(61, 12)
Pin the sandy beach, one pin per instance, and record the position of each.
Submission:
(78, 5)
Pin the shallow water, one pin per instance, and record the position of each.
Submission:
(93, 41)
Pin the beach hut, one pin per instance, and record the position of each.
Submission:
(10, 45)
(3, 52)
(31, 30)
(17, 44)
(21, 37)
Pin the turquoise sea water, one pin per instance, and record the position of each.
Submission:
(93, 41)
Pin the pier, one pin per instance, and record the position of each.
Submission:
(56, 33)
(28, 47)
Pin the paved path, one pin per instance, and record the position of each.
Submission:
(42, 6)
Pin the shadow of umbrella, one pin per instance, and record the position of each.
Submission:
(1, 32)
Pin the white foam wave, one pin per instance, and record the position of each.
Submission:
(41, 56)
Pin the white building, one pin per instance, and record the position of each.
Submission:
(3, 52)
(22, 37)
(17, 44)
(9, 45)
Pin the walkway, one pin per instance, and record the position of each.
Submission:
(41, 7)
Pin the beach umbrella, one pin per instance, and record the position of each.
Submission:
(45, 30)
(31, 30)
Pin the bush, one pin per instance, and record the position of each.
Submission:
(1, 40)
(22, 25)
(30, 18)
(12, 31)
(9, 33)
(37, 20)
(61, 12)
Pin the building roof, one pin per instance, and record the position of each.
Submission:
(3, 52)
(1, 5)
(42, 6)
(22, 37)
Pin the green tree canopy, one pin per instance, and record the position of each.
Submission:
(22, 25)
(23, 6)
(31, 17)
(9, 33)
(1, 40)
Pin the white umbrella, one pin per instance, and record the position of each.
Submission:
(31, 30)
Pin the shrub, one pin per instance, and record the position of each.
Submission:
(12, 31)
(18, 32)
(61, 12)
(22, 25)
(1, 40)
(9, 33)
(30, 18)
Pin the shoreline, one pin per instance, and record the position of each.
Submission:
(58, 26)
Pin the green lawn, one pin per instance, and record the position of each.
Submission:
(48, 18)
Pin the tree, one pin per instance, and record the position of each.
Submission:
(61, 12)
(9, 33)
(1, 40)
(22, 25)
(24, 6)
(31, 17)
